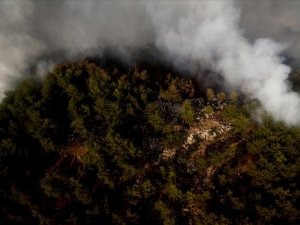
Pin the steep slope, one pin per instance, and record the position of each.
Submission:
(93, 144)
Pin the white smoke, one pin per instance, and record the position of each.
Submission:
(210, 31)
(16, 44)
(187, 31)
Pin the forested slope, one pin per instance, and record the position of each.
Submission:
(98, 144)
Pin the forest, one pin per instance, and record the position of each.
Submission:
(103, 144)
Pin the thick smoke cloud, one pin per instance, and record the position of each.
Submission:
(222, 34)
(38, 33)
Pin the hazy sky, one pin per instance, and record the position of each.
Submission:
(276, 19)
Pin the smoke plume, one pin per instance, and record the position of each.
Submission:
(186, 32)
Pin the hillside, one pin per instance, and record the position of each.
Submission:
(94, 144)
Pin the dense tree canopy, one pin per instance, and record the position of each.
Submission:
(95, 144)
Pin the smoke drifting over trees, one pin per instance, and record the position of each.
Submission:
(221, 34)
